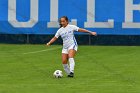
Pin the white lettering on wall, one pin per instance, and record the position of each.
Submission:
(129, 8)
(12, 14)
(91, 18)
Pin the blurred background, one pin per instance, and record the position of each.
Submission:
(117, 22)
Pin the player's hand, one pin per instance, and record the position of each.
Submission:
(93, 33)
(48, 44)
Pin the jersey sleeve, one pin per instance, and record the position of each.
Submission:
(57, 33)
(75, 28)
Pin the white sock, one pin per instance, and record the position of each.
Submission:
(66, 68)
(72, 64)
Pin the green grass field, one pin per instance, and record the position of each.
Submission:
(99, 69)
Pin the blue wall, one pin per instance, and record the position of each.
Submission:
(74, 9)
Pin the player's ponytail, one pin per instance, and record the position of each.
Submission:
(65, 17)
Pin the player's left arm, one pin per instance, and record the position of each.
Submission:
(87, 31)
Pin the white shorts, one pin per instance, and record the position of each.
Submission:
(65, 51)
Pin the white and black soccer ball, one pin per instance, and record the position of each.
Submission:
(58, 74)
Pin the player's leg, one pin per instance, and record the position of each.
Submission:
(64, 58)
(65, 61)
(71, 55)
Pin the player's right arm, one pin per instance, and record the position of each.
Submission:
(52, 41)
(54, 38)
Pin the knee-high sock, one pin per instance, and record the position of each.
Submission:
(66, 68)
(72, 64)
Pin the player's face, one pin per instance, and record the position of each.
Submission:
(63, 22)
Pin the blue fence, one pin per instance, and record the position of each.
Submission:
(106, 17)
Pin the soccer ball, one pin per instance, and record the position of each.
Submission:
(58, 74)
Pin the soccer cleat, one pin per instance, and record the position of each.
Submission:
(71, 74)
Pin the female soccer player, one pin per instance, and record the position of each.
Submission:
(70, 46)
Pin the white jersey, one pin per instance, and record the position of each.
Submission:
(67, 35)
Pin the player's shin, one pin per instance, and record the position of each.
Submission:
(72, 64)
(66, 68)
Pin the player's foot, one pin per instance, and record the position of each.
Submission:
(71, 74)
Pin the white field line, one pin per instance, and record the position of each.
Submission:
(33, 52)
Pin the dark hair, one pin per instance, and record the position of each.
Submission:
(65, 17)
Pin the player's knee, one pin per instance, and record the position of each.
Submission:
(71, 55)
